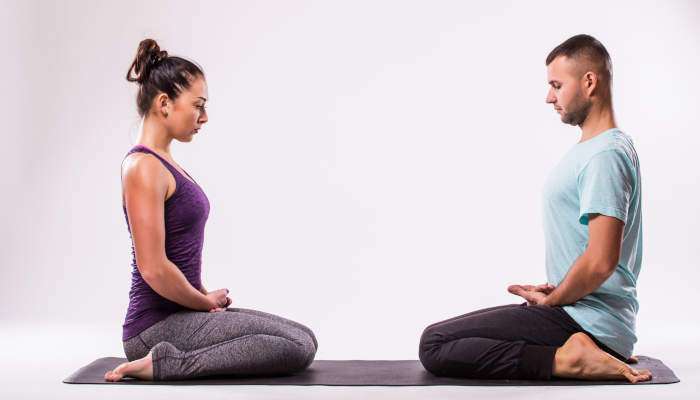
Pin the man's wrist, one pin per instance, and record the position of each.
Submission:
(547, 301)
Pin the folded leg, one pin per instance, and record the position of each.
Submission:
(192, 344)
(514, 342)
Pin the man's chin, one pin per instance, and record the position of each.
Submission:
(568, 121)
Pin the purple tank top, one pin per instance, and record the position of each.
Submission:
(186, 212)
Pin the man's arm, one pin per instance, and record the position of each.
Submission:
(594, 266)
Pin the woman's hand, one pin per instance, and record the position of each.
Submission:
(219, 299)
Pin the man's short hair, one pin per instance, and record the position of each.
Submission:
(588, 49)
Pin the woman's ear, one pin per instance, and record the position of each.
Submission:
(164, 104)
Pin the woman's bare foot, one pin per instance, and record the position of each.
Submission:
(581, 358)
(139, 369)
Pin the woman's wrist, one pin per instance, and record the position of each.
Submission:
(207, 302)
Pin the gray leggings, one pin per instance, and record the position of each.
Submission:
(237, 341)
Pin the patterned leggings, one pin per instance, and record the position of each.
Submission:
(190, 344)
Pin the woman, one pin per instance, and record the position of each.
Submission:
(174, 327)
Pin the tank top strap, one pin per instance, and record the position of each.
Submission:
(139, 148)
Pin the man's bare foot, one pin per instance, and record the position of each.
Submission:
(139, 369)
(581, 358)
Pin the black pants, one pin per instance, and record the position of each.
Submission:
(514, 341)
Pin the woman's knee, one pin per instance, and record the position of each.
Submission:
(305, 353)
(312, 337)
(306, 330)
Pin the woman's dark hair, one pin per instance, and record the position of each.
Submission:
(156, 72)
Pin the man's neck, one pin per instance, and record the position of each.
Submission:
(600, 119)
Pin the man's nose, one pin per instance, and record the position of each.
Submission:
(550, 97)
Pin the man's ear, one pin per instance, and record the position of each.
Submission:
(590, 82)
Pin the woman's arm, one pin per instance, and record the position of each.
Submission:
(145, 184)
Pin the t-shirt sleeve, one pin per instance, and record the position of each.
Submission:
(605, 186)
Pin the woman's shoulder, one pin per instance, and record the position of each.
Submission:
(141, 168)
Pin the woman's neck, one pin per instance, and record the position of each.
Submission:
(154, 136)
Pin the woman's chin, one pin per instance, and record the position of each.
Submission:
(185, 139)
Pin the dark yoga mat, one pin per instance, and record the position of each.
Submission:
(361, 373)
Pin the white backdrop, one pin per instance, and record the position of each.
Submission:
(372, 166)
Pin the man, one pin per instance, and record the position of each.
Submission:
(581, 323)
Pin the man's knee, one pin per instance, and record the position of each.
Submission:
(436, 353)
(429, 350)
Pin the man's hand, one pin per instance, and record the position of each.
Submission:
(531, 293)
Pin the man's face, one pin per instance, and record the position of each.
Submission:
(566, 91)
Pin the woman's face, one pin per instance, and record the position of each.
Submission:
(188, 112)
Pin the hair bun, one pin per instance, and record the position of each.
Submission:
(148, 56)
(158, 56)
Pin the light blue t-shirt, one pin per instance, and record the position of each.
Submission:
(598, 176)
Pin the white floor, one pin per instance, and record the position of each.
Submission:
(38, 357)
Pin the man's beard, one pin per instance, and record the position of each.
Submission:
(579, 112)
